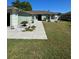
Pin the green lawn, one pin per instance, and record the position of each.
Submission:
(58, 45)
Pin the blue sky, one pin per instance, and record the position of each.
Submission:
(51, 5)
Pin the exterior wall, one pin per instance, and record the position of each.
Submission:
(24, 18)
(43, 16)
(55, 18)
(14, 20)
(34, 17)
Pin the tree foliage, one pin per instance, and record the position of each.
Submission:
(22, 5)
(16, 3)
(66, 16)
(25, 6)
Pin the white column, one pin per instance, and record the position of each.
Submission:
(35, 18)
(14, 20)
(50, 18)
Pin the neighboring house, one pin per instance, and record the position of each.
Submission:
(16, 16)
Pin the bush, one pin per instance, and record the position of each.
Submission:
(48, 20)
(33, 27)
(32, 21)
(24, 23)
(30, 28)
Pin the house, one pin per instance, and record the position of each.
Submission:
(15, 16)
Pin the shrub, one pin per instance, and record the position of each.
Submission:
(30, 28)
(33, 27)
(48, 20)
(32, 21)
(24, 23)
(56, 21)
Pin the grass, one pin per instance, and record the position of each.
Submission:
(58, 45)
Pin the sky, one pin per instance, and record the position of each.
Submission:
(45, 5)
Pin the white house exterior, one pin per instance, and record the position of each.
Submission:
(15, 16)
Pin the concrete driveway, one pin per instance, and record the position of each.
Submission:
(38, 33)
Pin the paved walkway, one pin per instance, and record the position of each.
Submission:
(39, 33)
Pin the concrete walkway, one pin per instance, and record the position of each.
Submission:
(38, 33)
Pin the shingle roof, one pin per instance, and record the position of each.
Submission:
(30, 12)
(10, 7)
(38, 12)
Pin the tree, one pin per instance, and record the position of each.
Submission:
(59, 14)
(26, 6)
(16, 3)
(66, 16)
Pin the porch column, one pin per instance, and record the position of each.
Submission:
(14, 17)
(14, 20)
(50, 18)
(35, 18)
